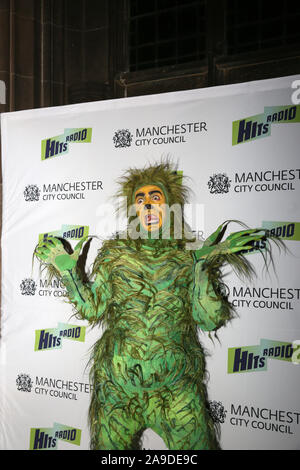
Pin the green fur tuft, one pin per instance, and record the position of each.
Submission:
(164, 173)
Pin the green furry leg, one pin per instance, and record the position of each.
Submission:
(177, 414)
(184, 423)
(115, 416)
(116, 430)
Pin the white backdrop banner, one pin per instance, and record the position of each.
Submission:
(239, 146)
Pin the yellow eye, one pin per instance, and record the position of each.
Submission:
(140, 201)
(156, 198)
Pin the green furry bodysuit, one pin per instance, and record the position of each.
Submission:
(148, 368)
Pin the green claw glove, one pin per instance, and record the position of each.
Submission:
(236, 242)
(51, 251)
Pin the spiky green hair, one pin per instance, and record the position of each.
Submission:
(163, 174)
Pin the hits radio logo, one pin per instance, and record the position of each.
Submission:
(46, 438)
(254, 358)
(69, 232)
(283, 230)
(259, 126)
(51, 338)
(59, 145)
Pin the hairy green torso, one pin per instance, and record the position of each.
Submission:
(149, 318)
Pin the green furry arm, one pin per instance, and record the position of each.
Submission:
(210, 309)
(89, 299)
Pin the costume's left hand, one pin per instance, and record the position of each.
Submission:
(237, 242)
(52, 252)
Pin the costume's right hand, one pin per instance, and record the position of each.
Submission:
(51, 251)
(237, 242)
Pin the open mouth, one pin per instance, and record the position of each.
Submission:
(151, 219)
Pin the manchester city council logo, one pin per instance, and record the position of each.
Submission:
(24, 383)
(219, 183)
(217, 411)
(122, 138)
(28, 287)
(32, 193)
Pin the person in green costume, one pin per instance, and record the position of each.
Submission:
(152, 291)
